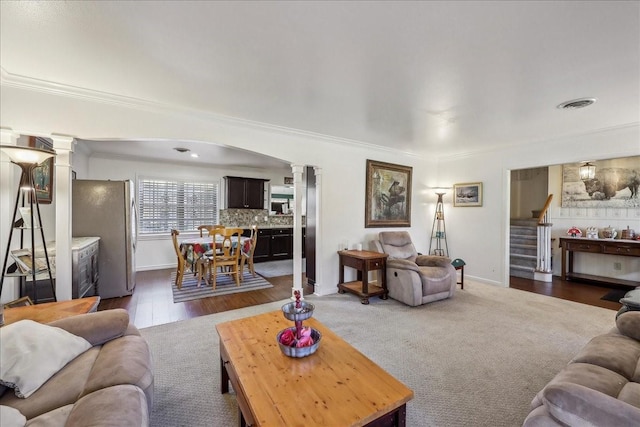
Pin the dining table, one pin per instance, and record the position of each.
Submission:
(193, 248)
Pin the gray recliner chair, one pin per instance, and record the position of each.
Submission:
(411, 278)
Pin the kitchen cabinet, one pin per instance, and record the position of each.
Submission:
(85, 252)
(245, 193)
(274, 244)
(281, 243)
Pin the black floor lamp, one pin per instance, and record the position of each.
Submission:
(28, 159)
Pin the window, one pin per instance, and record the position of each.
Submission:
(184, 205)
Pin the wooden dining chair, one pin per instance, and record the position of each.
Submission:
(182, 263)
(226, 260)
(209, 228)
(246, 252)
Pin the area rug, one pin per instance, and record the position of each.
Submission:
(615, 295)
(276, 268)
(478, 358)
(224, 285)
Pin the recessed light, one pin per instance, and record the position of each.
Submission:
(574, 104)
(182, 150)
(194, 155)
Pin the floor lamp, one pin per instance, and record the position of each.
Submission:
(438, 230)
(28, 159)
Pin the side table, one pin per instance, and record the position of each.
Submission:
(364, 261)
(459, 264)
(50, 311)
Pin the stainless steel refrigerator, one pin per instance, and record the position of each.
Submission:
(107, 209)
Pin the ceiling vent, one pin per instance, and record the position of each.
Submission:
(576, 103)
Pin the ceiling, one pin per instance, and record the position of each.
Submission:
(421, 77)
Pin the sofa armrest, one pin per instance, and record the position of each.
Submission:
(574, 404)
(402, 264)
(97, 328)
(629, 324)
(433, 261)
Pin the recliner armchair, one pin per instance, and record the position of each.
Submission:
(412, 278)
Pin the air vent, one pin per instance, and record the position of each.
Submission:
(577, 103)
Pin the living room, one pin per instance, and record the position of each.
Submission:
(496, 99)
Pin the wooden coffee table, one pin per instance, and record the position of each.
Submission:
(335, 386)
(50, 311)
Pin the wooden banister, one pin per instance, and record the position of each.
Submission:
(544, 210)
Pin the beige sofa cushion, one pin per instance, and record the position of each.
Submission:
(122, 406)
(577, 405)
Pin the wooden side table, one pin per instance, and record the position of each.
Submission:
(364, 261)
(50, 311)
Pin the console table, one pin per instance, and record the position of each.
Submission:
(364, 261)
(570, 245)
(50, 311)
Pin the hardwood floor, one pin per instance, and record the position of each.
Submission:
(152, 302)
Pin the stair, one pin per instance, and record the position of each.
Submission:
(524, 247)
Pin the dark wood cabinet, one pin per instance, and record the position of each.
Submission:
(275, 244)
(245, 193)
(281, 243)
(263, 245)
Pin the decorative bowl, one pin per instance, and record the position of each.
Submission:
(297, 315)
(300, 351)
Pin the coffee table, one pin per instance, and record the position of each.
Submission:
(50, 311)
(335, 386)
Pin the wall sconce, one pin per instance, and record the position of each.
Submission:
(587, 171)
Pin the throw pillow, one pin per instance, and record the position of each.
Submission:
(32, 352)
(11, 417)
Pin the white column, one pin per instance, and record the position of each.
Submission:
(319, 269)
(8, 188)
(297, 229)
(63, 145)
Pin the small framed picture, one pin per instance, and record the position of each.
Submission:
(467, 194)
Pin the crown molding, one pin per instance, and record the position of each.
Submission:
(84, 94)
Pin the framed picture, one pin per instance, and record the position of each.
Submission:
(388, 195)
(615, 184)
(467, 194)
(43, 174)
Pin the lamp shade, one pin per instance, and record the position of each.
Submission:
(587, 171)
(26, 155)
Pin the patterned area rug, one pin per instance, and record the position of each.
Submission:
(224, 285)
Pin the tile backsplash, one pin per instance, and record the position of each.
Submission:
(259, 217)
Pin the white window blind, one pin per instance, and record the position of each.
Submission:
(184, 205)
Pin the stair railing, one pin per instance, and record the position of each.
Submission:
(543, 258)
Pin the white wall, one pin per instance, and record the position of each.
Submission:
(480, 235)
(155, 252)
(343, 163)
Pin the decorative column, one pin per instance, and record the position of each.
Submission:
(63, 145)
(7, 198)
(319, 271)
(297, 231)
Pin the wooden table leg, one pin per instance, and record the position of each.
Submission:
(224, 378)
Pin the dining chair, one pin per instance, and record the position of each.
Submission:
(246, 252)
(226, 261)
(182, 263)
(209, 228)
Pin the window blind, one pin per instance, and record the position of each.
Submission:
(167, 204)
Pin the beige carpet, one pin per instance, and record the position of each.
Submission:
(474, 360)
